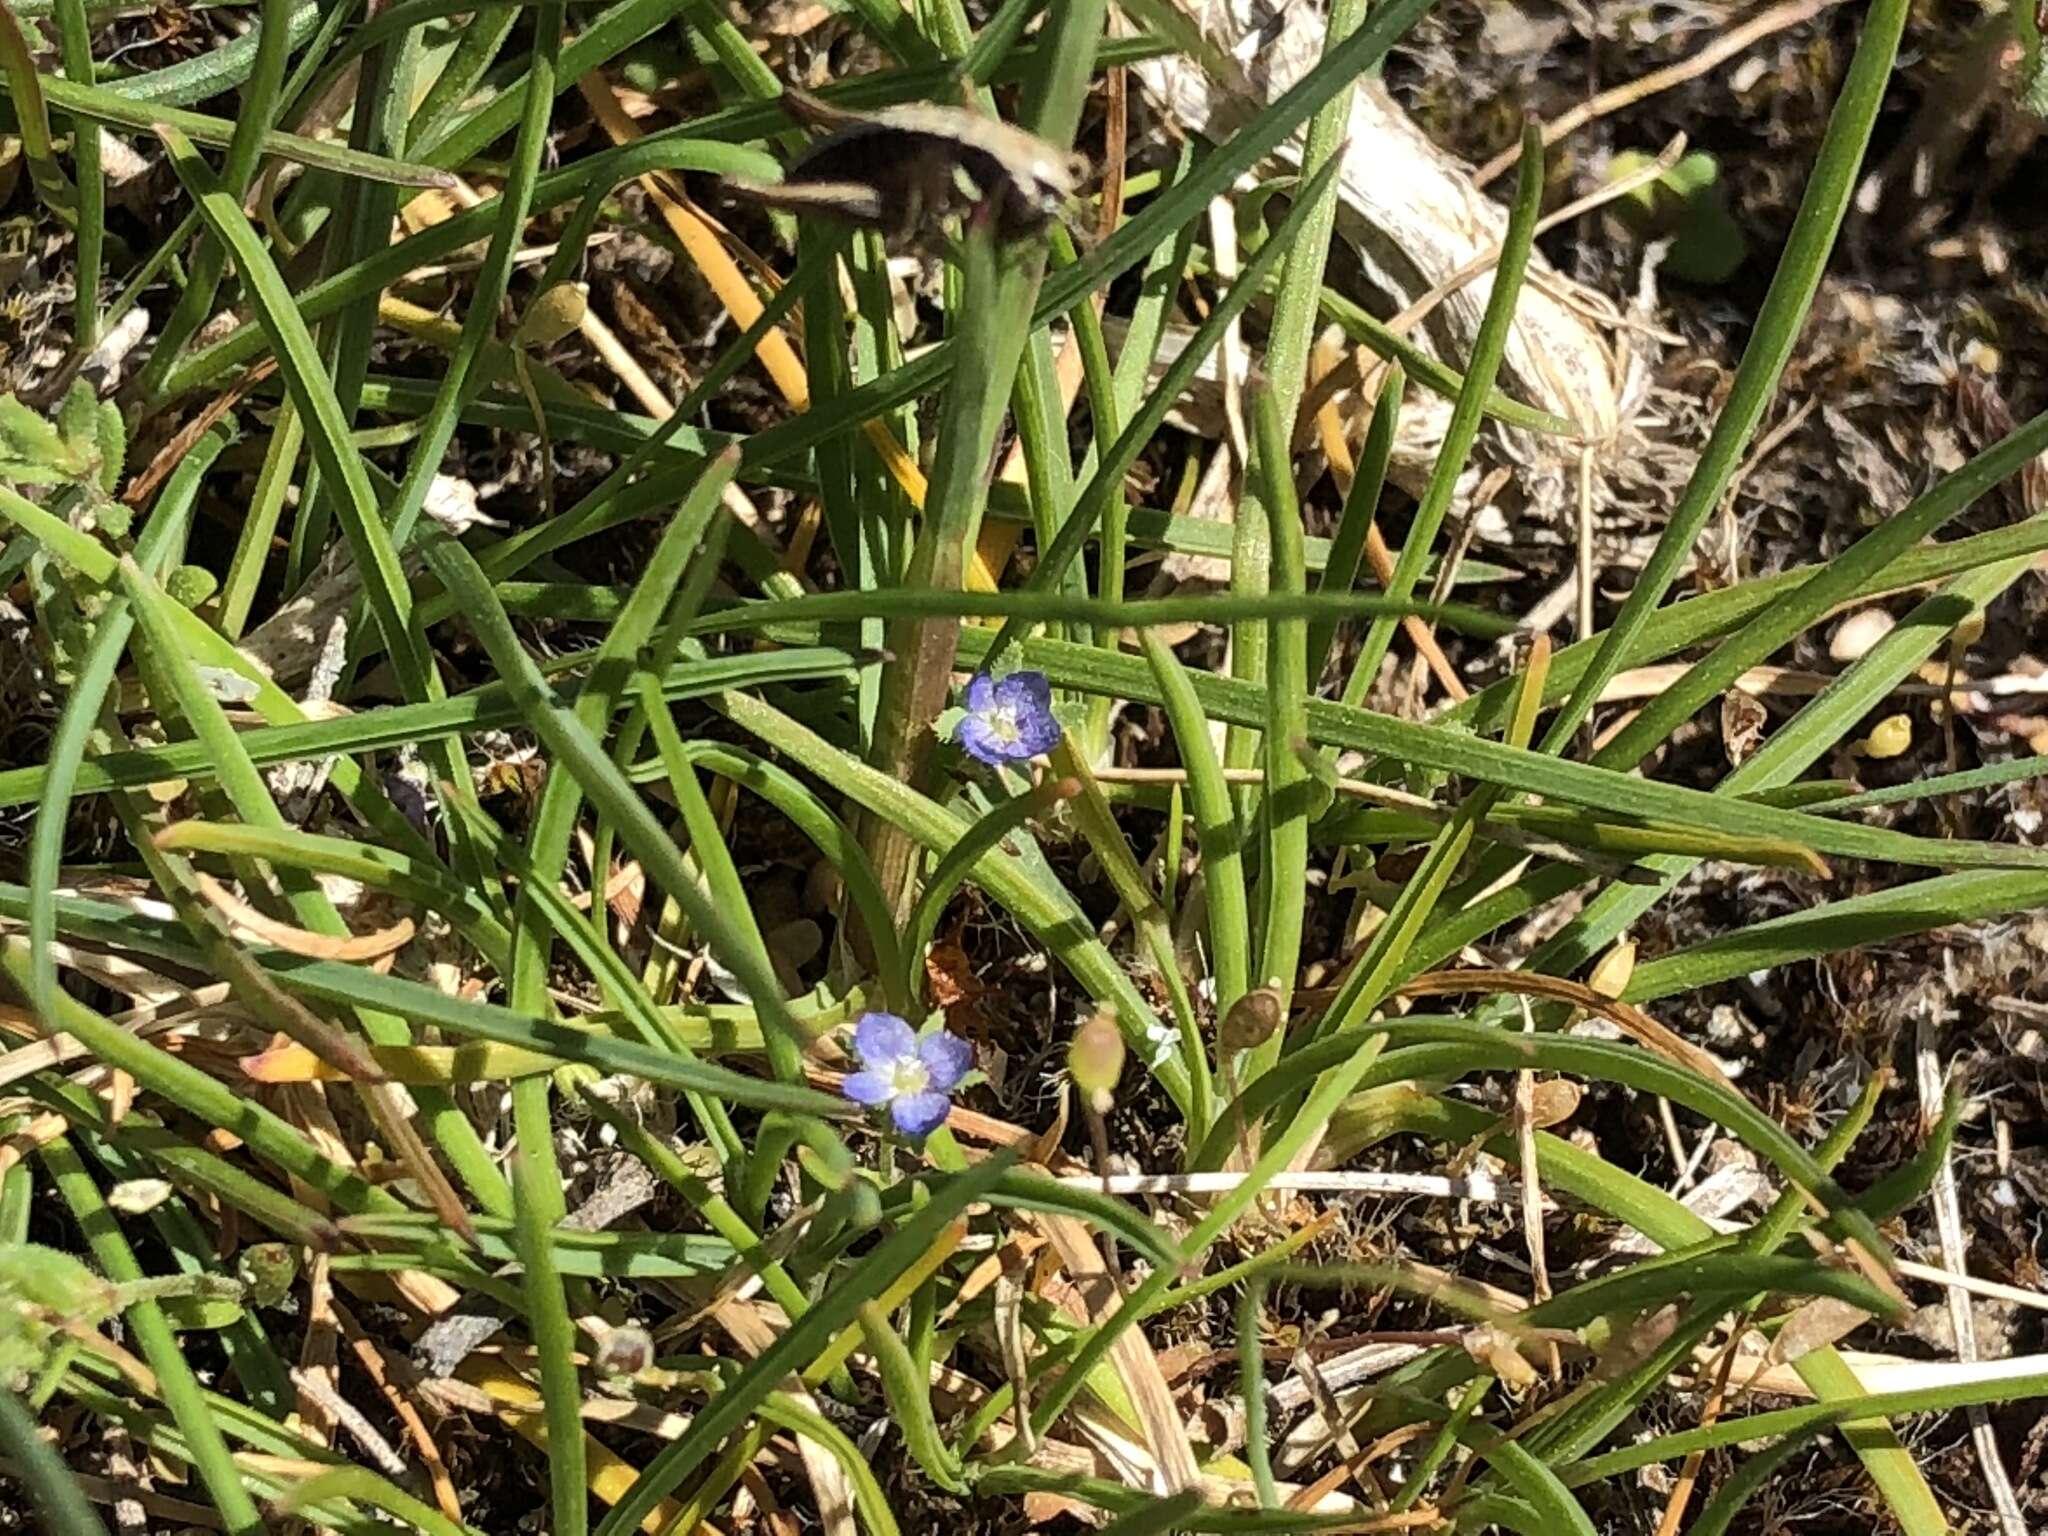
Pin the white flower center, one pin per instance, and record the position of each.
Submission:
(1002, 724)
(908, 1075)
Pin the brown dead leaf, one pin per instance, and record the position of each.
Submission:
(1742, 725)
(950, 984)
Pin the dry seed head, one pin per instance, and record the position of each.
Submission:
(1859, 632)
(1493, 1348)
(1553, 1101)
(626, 1351)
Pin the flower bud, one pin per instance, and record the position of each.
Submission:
(1096, 1059)
(268, 1270)
(113, 518)
(554, 314)
(191, 585)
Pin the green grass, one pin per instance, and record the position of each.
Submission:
(701, 706)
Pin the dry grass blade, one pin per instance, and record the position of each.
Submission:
(301, 941)
(1165, 1434)
(1948, 1221)
(1626, 1017)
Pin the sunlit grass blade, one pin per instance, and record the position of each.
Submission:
(30, 94)
(1218, 832)
(1347, 544)
(1116, 460)
(1137, 239)
(176, 1382)
(1622, 796)
(327, 434)
(97, 104)
(1829, 587)
(253, 802)
(162, 541)
(993, 323)
(258, 106)
(1291, 796)
(74, 37)
(480, 323)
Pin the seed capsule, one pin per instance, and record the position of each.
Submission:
(1252, 1020)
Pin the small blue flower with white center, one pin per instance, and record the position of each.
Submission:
(914, 1077)
(1008, 719)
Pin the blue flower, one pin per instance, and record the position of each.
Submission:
(1008, 719)
(914, 1077)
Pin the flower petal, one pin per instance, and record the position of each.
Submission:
(979, 741)
(1029, 693)
(868, 1087)
(981, 693)
(1038, 733)
(946, 1057)
(918, 1114)
(880, 1038)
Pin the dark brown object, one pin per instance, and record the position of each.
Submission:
(905, 168)
(1252, 1019)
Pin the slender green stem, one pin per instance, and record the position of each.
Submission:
(1290, 792)
(1347, 545)
(1296, 309)
(74, 35)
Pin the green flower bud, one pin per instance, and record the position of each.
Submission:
(113, 446)
(554, 315)
(1096, 1059)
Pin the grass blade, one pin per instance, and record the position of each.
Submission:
(1793, 285)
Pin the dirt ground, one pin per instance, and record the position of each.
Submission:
(1929, 341)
